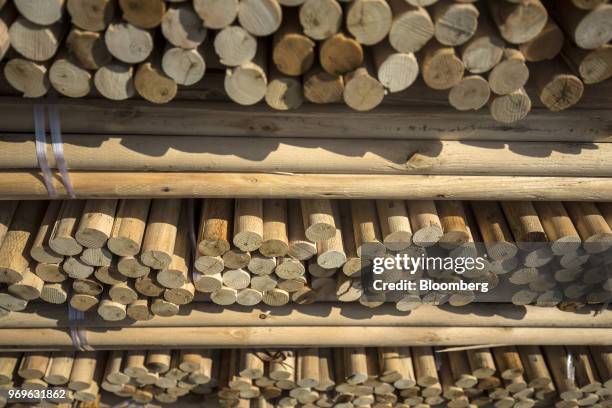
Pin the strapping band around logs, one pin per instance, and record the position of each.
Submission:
(77, 333)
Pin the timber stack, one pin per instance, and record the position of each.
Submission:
(290, 52)
(523, 376)
(143, 258)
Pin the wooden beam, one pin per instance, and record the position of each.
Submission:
(30, 185)
(317, 336)
(389, 121)
(301, 155)
(326, 314)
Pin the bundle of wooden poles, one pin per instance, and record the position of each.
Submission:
(507, 376)
(133, 258)
(321, 51)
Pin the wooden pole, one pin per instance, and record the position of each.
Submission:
(96, 223)
(411, 28)
(14, 252)
(320, 18)
(160, 235)
(368, 20)
(27, 185)
(558, 88)
(518, 22)
(589, 29)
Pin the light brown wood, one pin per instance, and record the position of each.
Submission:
(7, 211)
(215, 227)
(519, 22)
(495, 232)
(129, 227)
(235, 46)
(62, 239)
(7, 16)
(176, 274)
(509, 75)
(37, 43)
(524, 223)
(589, 29)
(321, 87)
(59, 368)
(56, 293)
(96, 223)
(511, 107)
(508, 362)
(318, 219)
(593, 66)
(394, 224)
(544, 46)
(460, 368)
(396, 71)
(33, 365)
(40, 250)
(83, 302)
(425, 222)
(182, 27)
(275, 240)
(247, 83)
(441, 68)
(536, 369)
(330, 252)
(340, 54)
(88, 48)
(293, 52)
(299, 246)
(411, 28)
(83, 370)
(368, 20)
(51, 273)
(362, 90)
(139, 310)
(68, 78)
(368, 238)
(91, 15)
(556, 357)
(248, 224)
(184, 66)
(481, 363)
(284, 92)
(558, 88)
(453, 221)
(484, 49)
(28, 77)
(143, 13)
(14, 252)
(471, 93)
(260, 17)
(591, 225)
(320, 19)
(111, 311)
(160, 235)
(128, 43)
(216, 14)
(28, 288)
(132, 267)
(454, 22)
(424, 366)
(40, 11)
(152, 83)
(115, 81)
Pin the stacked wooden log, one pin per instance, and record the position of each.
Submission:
(318, 51)
(133, 258)
(508, 376)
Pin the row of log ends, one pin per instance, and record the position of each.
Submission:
(508, 376)
(482, 53)
(133, 258)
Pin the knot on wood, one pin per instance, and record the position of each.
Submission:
(418, 161)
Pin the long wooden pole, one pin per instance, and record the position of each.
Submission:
(193, 118)
(242, 154)
(327, 314)
(29, 185)
(190, 337)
